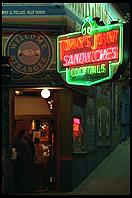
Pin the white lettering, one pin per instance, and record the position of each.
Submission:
(4, 12)
(19, 12)
(90, 57)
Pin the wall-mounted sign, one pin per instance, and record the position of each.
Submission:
(27, 10)
(91, 55)
(29, 52)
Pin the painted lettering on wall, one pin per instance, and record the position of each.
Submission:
(23, 12)
(30, 52)
(104, 114)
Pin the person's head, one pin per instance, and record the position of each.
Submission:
(23, 134)
(36, 140)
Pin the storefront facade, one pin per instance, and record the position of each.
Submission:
(78, 118)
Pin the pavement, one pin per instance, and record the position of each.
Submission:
(111, 177)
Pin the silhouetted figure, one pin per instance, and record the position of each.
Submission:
(38, 163)
(23, 163)
(32, 151)
(31, 146)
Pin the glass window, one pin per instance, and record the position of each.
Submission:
(79, 144)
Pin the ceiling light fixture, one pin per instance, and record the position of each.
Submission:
(45, 93)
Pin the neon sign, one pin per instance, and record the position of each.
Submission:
(76, 127)
(91, 55)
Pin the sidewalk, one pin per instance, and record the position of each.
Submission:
(111, 177)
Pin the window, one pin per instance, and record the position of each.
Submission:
(79, 144)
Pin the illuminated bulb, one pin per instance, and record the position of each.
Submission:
(33, 125)
(51, 107)
(45, 93)
(17, 92)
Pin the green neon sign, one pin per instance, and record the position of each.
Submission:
(92, 55)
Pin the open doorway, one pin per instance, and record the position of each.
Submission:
(34, 114)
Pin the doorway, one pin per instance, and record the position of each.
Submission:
(43, 129)
(34, 114)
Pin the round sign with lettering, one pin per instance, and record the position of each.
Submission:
(30, 52)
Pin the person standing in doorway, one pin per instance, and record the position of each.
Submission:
(32, 151)
(31, 145)
(23, 163)
(38, 163)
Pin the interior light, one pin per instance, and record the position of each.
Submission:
(18, 92)
(33, 125)
(45, 93)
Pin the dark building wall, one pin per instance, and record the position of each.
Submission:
(83, 165)
(98, 121)
(75, 167)
(66, 174)
(6, 162)
(79, 163)
(64, 138)
(64, 117)
(96, 157)
(125, 114)
(91, 123)
(79, 169)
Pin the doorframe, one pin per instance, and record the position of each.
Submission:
(52, 117)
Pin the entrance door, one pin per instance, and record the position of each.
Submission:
(45, 130)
